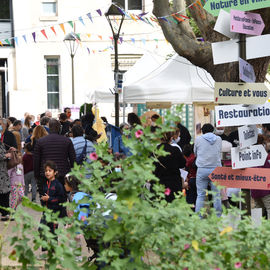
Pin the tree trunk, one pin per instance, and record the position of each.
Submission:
(180, 35)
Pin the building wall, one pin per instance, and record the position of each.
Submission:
(27, 65)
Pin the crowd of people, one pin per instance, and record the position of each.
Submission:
(48, 148)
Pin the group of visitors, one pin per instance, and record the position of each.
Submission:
(48, 148)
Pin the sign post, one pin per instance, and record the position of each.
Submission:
(239, 93)
(248, 135)
(250, 178)
(252, 156)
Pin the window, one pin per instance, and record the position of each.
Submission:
(130, 4)
(5, 10)
(49, 8)
(52, 66)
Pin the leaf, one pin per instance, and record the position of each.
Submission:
(195, 244)
(27, 203)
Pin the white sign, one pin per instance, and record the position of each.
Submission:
(223, 25)
(236, 115)
(253, 156)
(246, 71)
(248, 135)
(228, 51)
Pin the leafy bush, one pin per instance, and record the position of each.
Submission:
(142, 230)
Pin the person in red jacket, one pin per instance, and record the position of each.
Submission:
(191, 178)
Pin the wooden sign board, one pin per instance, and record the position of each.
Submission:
(241, 93)
(252, 156)
(158, 105)
(250, 178)
(235, 115)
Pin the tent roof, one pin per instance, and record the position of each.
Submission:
(177, 81)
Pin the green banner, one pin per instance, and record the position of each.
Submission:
(214, 6)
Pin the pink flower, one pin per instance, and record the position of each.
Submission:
(217, 268)
(204, 240)
(238, 265)
(186, 246)
(83, 218)
(167, 192)
(138, 133)
(93, 156)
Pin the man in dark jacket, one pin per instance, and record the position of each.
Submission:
(56, 148)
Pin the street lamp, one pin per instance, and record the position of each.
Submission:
(71, 41)
(113, 13)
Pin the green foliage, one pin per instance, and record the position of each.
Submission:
(193, 25)
(140, 229)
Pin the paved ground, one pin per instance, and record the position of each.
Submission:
(7, 249)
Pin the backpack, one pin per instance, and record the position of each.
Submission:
(82, 209)
(82, 157)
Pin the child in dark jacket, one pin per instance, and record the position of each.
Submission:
(54, 193)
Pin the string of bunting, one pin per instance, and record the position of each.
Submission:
(144, 17)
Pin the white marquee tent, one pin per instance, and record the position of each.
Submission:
(149, 80)
(177, 81)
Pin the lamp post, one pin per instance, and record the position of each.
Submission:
(112, 13)
(71, 41)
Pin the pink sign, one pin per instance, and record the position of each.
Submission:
(246, 23)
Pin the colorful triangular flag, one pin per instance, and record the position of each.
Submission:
(34, 36)
(44, 33)
(24, 37)
(89, 35)
(81, 20)
(89, 16)
(62, 27)
(121, 39)
(53, 30)
(16, 41)
(179, 19)
(1, 44)
(132, 40)
(99, 12)
(88, 50)
(100, 37)
(71, 24)
(7, 41)
(143, 41)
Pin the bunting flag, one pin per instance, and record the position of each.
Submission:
(79, 36)
(121, 39)
(133, 40)
(34, 36)
(88, 50)
(179, 19)
(133, 18)
(89, 35)
(16, 41)
(100, 37)
(199, 3)
(44, 33)
(1, 44)
(71, 24)
(62, 27)
(24, 37)
(53, 30)
(81, 20)
(99, 12)
(7, 41)
(89, 16)
(143, 41)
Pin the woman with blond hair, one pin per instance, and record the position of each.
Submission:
(26, 127)
(38, 132)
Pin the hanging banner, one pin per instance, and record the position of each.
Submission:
(250, 178)
(253, 156)
(241, 93)
(248, 135)
(235, 115)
